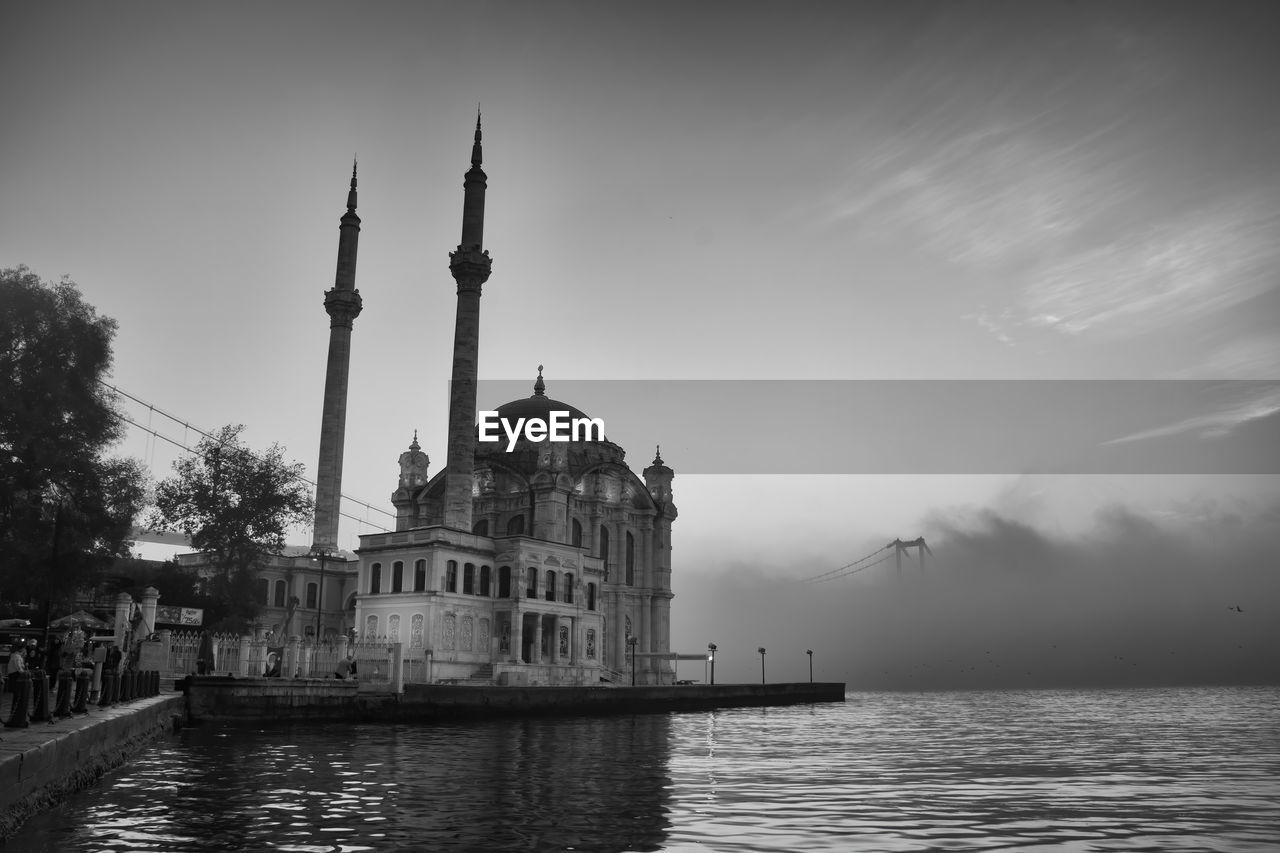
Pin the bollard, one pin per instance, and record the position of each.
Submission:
(155, 682)
(40, 693)
(62, 708)
(21, 700)
(104, 689)
(81, 703)
(135, 691)
(126, 686)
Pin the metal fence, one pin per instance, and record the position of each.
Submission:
(244, 656)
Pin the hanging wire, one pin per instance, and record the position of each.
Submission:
(832, 574)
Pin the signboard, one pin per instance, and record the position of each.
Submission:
(186, 616)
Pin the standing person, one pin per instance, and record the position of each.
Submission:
(53, 659)
(99, 661)
(17, 664)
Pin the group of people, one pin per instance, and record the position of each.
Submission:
(71, 651)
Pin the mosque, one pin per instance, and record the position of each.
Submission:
(548, 564)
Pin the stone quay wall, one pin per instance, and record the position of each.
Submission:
(212, 698)
(44, 763)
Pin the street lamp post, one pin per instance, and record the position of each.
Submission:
(711, 657)
(809, 652)
(761, 650)
(631, 641)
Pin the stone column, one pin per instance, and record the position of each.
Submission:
(124, 609)
(517, 635)
(150, 598)
(535, 655)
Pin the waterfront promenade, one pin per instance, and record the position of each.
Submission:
(43, 763)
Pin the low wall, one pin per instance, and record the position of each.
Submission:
(296, 700)
(39, 772)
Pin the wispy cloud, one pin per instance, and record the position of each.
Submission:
(1254, 404)
(1180, 270)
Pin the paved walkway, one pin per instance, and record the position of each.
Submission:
(13, 741)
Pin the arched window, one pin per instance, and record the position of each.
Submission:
(451, 576)
(481, 527)
(568, 588)
(419, 575)
(262, 590)
(631, 559)
(515, 525)
(375, 579)
(591, 596)
(281, 590)
(312, 594)
(504, 582)
(603, 550)
(397, 576)
(577, 533)
(532, 591)
(469, 579)
(484, 581)
(550, 591)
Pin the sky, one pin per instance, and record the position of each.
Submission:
(799, 211)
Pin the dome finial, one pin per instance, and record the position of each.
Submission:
(415, 445)
(539, 387)
(657, 454)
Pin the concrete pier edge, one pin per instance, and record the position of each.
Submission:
(213, 698)
(43, 764)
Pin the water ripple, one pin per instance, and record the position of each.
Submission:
(1035, 770)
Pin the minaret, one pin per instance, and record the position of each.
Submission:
(470, 267)
(343, 304)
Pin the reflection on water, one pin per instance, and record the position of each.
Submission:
(1077, 770)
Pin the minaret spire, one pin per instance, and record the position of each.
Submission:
(343, 305)
(470, 266)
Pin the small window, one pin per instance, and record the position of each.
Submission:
(603, 549)
(550, 591)
(312, 594)
(577, 533)
(262, 589)
(532, 591)
(515, 525)
(504, 582)
(281, 591)
(375, 579)
(481, 527)
(484, 581)
(568, 588)
(451, 577)
(591, 596)
(397, 576)
(469, 579)
(419, 575)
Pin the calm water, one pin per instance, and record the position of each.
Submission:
(1051, 770)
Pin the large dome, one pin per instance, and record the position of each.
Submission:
(538, 406)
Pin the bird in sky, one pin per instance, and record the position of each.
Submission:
(1237, 608)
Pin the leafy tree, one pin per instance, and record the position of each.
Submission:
(66, 510)
(235, 506)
